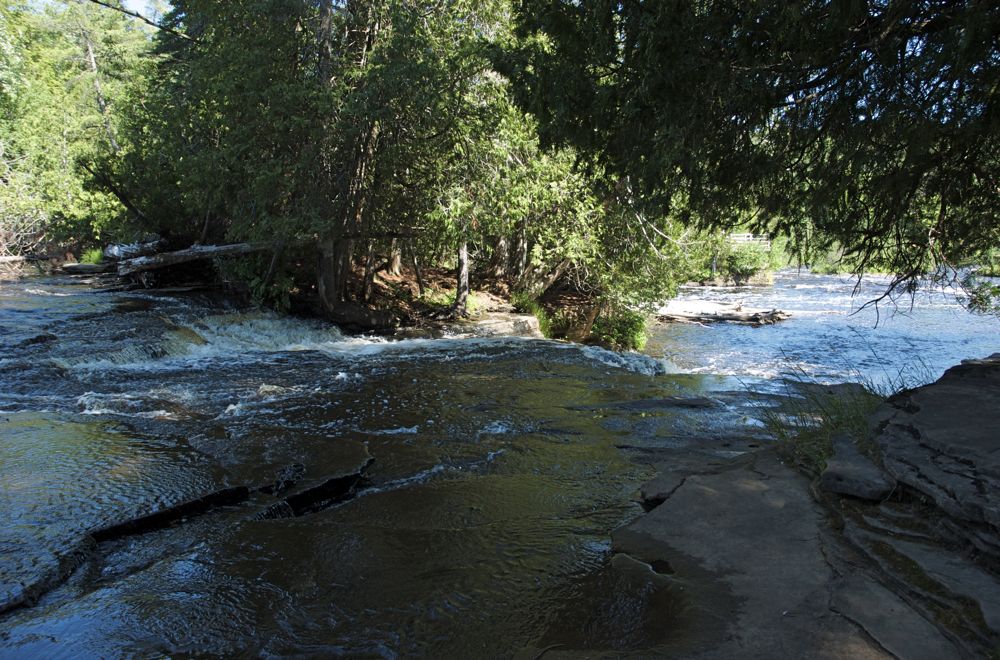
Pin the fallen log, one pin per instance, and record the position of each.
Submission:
(163, 259)
(19, 258)
(749, 318)
(123, 251)
(708, 312)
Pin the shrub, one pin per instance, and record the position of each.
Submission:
(746, 260)
(621, 329)
(552, 326)
(92, 256)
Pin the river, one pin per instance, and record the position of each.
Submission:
(834, 334)
(482, 527)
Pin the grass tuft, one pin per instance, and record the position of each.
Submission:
(811, 414)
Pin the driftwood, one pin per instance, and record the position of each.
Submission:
(123, 251)
(706, 312)
(139, 264)
(19, 258)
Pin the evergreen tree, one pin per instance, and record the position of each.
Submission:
(877, 122)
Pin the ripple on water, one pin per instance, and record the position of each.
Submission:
(484, 517)
(61, 478)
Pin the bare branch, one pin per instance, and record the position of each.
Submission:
(145, 20)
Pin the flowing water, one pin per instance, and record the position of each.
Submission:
(834, 335)
(481, 529)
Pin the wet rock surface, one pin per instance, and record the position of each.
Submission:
(309, 499)
(750, 544)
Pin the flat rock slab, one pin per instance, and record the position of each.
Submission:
(943, 440)
(850, 473)
(746, 539)
(495, 324)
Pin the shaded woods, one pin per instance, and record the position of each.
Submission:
(371, 137)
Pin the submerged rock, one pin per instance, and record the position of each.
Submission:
(43, 338)
(850, 473)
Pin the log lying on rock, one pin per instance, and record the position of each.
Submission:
(151, 262)
(122, 251)
(709, 312)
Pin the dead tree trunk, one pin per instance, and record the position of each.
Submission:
(461, 307)
(139, 264)
(395, 258)
(102, 103)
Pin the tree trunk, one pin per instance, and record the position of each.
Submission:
(537, 281)
(416, 271)
(519, 256)
(461, 307)
(102, 103)
(395, 258)
(336, 253)
(333, 272)
(370, 270)
(501, 259)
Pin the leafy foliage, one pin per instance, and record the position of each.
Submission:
(621, 328)
(64, 68)
(873, 124)
(746, 260)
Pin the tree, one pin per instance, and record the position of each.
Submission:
(876, 121)
(64, 69)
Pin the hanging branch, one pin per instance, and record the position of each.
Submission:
(134, 14)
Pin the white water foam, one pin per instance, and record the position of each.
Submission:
(240, 337)
(403, 430)
(126, 405)
(496, 428)
(43, 292)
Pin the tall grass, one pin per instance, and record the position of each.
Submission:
(811, 414)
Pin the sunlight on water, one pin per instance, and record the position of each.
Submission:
(830, 338)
